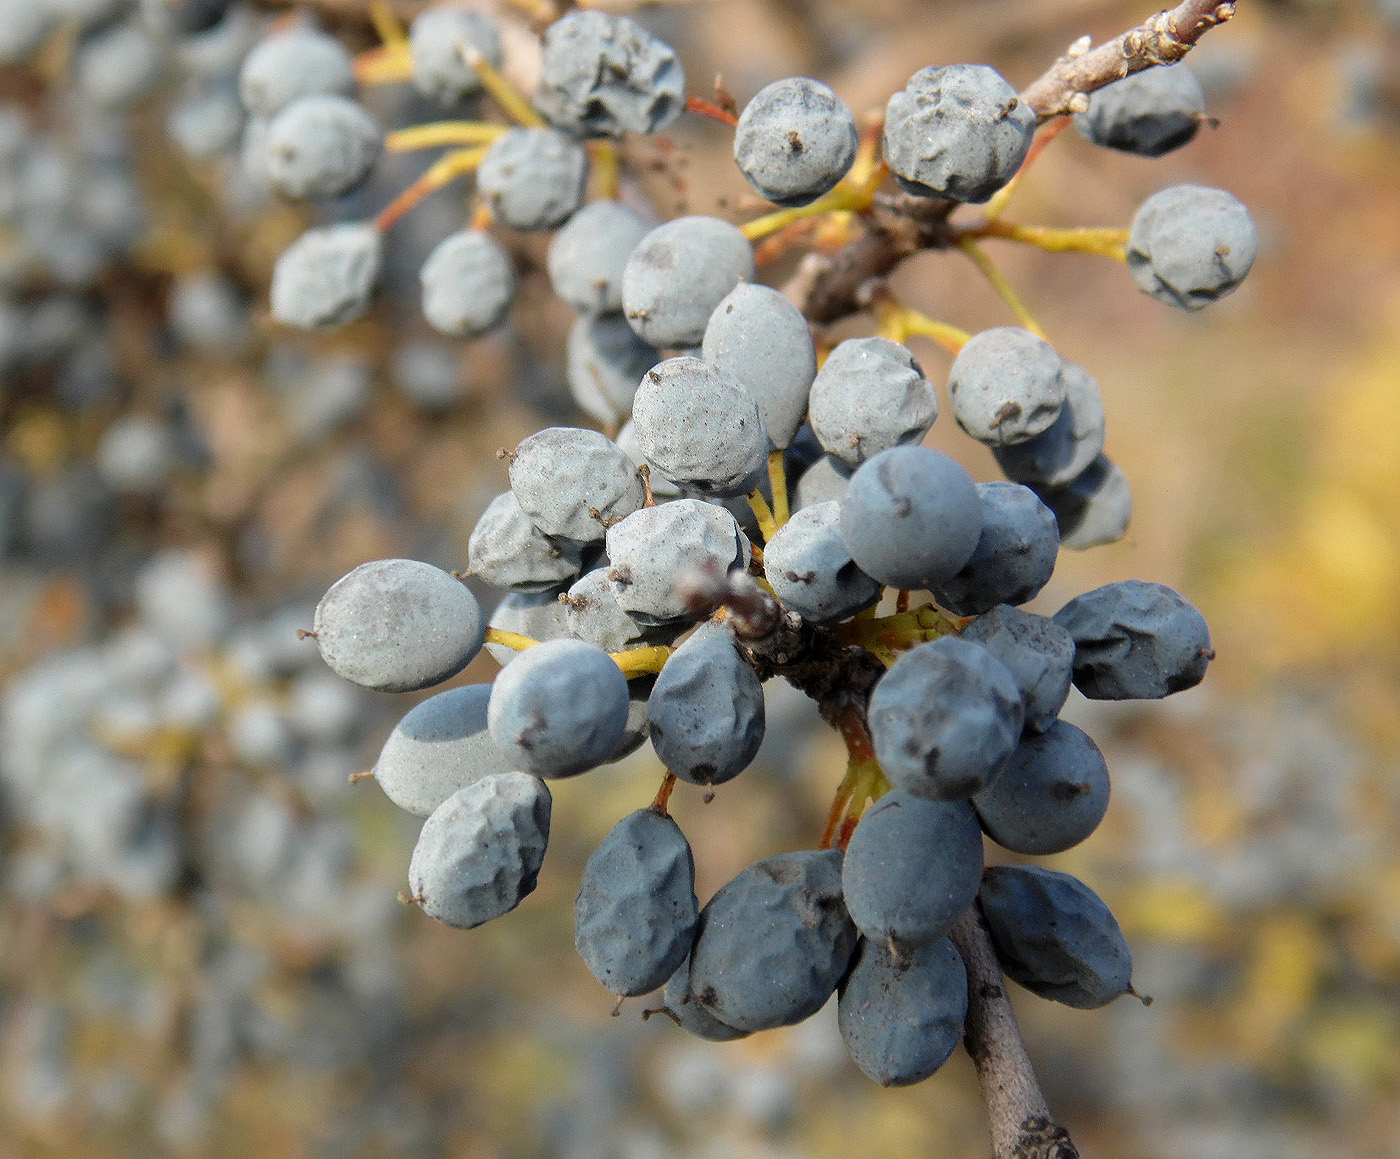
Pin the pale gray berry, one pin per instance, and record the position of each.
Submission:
(1006, 385)
(795, 140)
(605, 362)
(661, 487)
(479, 854)
(321, 146)
(397, 625)
(589, 253)
(574, 482)
(870, 395)
(592, 613)
(958, 132)
(442, 745)
(810, 569)
(468, 283)
(1191, 245)
(826, 479)
(435, 39)
(290, 64)
(117, 65)
(701, 427)
(655, 547)
(327, 276)
(760, 338)
(602, 75)
(532, 179)
(678, 273)
(507, 550)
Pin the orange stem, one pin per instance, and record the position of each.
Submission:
(710, 109)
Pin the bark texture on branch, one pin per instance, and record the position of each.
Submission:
(1020, 1120)
(1162, 39)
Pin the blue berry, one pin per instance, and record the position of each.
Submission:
(944, 718)
(1054, 936)
(636, 910)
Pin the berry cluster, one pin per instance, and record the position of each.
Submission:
(655, 581)
(761, 505)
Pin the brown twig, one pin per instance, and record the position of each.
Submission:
(1020, 1119)
(1162, 39)
(828, 287)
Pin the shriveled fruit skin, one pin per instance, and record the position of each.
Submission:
(636, 910)
(774, 942)
(479, 854)
(902, 1018)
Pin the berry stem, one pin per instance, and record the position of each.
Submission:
(386, 65)
(1019, 1116)
(853, 196)
(899, 323)
(606, 166)
(512, 640)
(761, 511)
(1001, 285)
(442, 172)
(642, 661)
(386, 23)
(436, 133)
(1160, 39)
(511, 100)
(777, 478)
(1105, 242)
(663, 794)
(710, 109)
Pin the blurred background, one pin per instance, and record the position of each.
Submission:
(201, 951)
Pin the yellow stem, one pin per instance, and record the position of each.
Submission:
(607, 169)
(777, 476)
(446, 169)
(1001, 285)
(887, 634)
(871, 785)
(386, 23)
(516, 107)
(1105, 242)
(850, 195)
(438, 133)
(386, 65)
(642, 661)
(512, 640)
(762, 513)
(899, 323)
